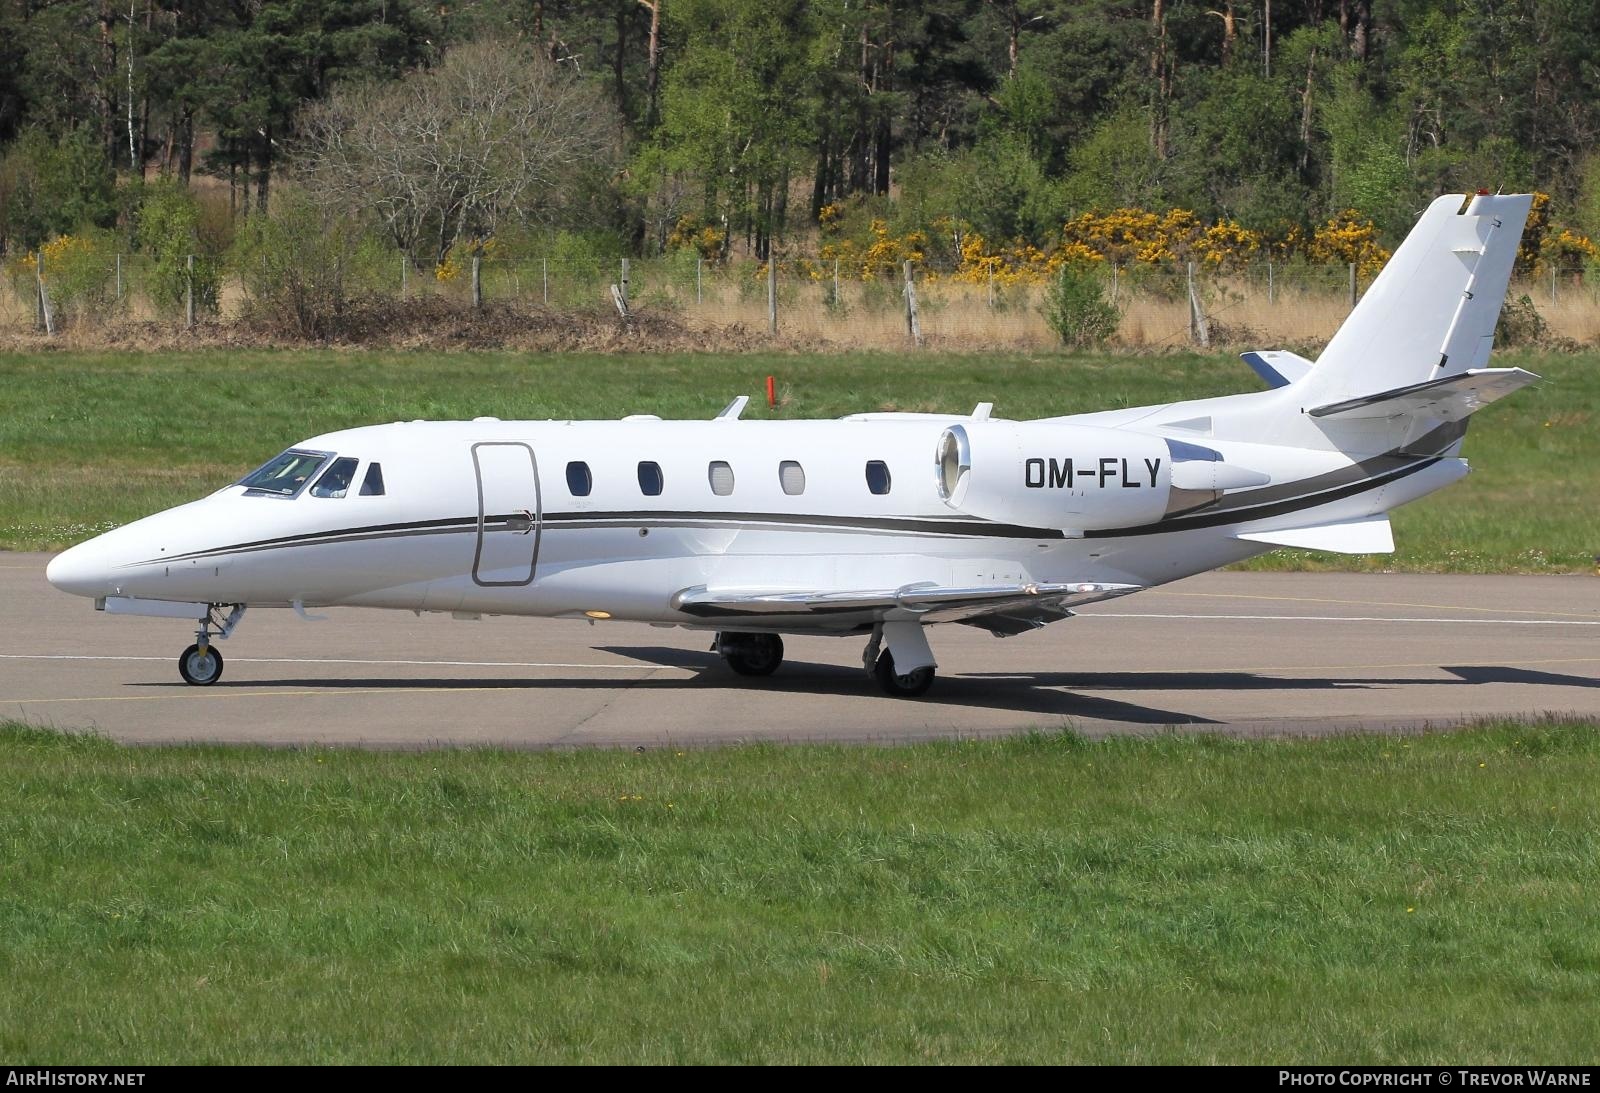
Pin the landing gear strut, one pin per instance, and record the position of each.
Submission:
(750, 654)
(201, 665)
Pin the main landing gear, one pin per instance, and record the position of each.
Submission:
(201, 664)
(897, 656)
(911, 673)
(914, 684)
(749, 654)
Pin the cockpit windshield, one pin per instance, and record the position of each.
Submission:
(286, 475)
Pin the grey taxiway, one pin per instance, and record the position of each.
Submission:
(1250, 653)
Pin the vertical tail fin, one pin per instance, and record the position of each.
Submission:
(1431, 312)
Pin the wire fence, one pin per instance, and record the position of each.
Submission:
(807, 300)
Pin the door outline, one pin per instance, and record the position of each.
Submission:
(536, 530)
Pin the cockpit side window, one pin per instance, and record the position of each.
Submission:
(372, 484)
(335, 481)
(285, 475)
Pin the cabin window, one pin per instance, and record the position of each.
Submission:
(650, 480)
(335, 481)
(792, 477)
(372, 484)
(284, 475)
(721, 476)
(878, 476)
(579, 480)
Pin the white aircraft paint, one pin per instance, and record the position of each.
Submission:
(874, 525)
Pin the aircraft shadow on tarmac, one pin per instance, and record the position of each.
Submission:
(1489, 674)
(1052, 693)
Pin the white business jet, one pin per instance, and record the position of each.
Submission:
(875, 525)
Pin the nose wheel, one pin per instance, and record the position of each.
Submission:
(200, 667)
(201, 664)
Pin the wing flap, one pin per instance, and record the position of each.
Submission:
(1449, 398)
(927, 601)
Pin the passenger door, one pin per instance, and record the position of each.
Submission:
(508, 514)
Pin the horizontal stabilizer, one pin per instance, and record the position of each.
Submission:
(1278, 367)
(1369, 536)
(930, 602)
(1449, 398)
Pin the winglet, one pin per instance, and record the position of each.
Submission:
(732, 411)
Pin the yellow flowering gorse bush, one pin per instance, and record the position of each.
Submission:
(1128, 236)
(459, 258)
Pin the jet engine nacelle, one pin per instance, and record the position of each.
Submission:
(1066, 477)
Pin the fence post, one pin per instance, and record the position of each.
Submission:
(119, 276)
(544, 277)
(698, 261)
(772, 291)
(477, 282)
(405, 275)
(991, 288)
(836, 300)
(46, 318)
(913, 325)
(1352, 286)
(1199, 328)
(1113, 284)
(624, 280)
(1552, 284)
(188, 294)
(1270, 296)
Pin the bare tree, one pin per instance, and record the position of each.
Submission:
(450, 153)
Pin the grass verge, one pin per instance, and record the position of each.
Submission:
(91, 440)
(1169, 899)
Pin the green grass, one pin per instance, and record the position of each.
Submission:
(1171, 899)
(90, 440)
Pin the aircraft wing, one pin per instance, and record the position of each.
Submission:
(1002, 609)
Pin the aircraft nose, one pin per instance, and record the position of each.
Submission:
(83, 570)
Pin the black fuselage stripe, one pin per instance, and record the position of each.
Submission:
(1263, 512)
(585, 520)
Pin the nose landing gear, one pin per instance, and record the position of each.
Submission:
(201, 665)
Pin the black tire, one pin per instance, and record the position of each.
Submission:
(200, 671)
(895, 685)
(751, 654)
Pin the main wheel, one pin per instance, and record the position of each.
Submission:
(751, 654)
(911, 685)
(200, 669)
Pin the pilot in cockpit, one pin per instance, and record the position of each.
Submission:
(336, 482)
